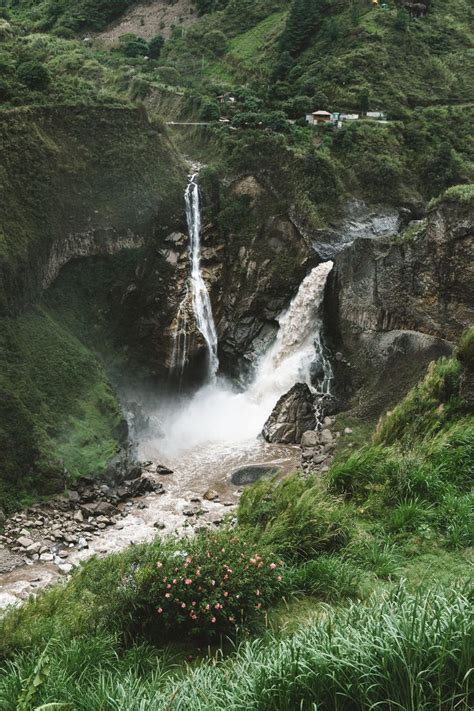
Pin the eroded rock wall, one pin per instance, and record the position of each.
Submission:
(394, 304)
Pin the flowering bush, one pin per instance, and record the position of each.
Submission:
(215, 586)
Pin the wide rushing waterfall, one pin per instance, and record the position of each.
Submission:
(200, 296)
(218, 415)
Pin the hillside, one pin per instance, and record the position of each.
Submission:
(236, 355)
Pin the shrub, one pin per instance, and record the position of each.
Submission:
(215, 586)
(132, 46)
(155, 46)
(210, 111)
(409, 516)
(378, 557)
(34, 75)
(328, 577)
(358, 473)
(297, 517)
(465, 349)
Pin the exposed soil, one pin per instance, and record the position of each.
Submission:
(147, 19)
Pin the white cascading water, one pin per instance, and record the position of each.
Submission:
(218, 417)
(200, 296)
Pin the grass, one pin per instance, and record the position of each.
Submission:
(398, 651)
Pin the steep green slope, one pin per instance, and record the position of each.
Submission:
(57, 411)
(74, 183)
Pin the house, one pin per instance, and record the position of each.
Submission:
(377, 115)
(226, 99)
(348, 117)
(318, 117)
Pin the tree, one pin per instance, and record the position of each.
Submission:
(216, 42)
(132, 46)
(282, 67)
(302, 21)
(210, 111)
(34, 74)
(364, 99)
(155, 46)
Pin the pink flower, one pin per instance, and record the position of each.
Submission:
(226, 577)
(159, 610)
(188, 581)
(159, 565)
(208, 607)
(183, 604)
(273, 566)
(217, 606)
(169, 586)
(257, 592)
(168, 595)
(253, 561)
(193, 616)
(260, 565)
(213, 619)
(226, 594)
(189, 559)
(174, 581)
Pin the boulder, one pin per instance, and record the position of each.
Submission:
(143, 485)
(24, 542)
(310, 438)
(293, 415)
(101, 508)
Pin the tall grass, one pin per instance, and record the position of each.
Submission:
(402, 651)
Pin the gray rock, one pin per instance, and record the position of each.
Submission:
(46, 557)
(65, 568)
(292, 415)
(24, 542)
(326, 437)
(34, 548)
(210, 495)
(82, 544)
(347, 430)
(310, 439)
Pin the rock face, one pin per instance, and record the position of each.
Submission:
(393, 305)
(264, 260)
(293, 414)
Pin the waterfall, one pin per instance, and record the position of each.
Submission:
(200, 296)
(220, 416)
(298, 343)
(180, 337)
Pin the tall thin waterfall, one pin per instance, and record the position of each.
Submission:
(200, 296)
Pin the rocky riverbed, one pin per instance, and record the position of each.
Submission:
(47, 541)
